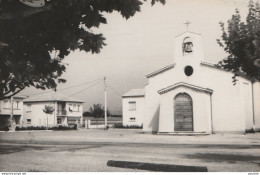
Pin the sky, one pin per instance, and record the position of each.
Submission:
(140, 45)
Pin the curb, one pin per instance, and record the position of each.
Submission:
(156, 167)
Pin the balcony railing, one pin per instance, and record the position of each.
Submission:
(61, 112)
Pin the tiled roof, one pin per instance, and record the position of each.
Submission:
(211, 65)
(134, 93)
(52, 96)
(181, 84)
(160, 70)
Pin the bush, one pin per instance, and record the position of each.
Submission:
(4, 128)
(24, 128)
(60, 127)
(120, 125)
(44, 128)
(250, 130)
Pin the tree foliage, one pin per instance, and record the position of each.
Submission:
(98, 111)
(241, 40)
(48, 109)
(28, 35)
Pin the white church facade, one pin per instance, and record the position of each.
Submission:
(192, 95)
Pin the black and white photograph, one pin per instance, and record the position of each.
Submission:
(136, 86)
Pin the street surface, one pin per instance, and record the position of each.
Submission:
(89, 150)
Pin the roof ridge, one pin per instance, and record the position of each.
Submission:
(168, 67)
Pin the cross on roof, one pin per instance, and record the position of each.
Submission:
(187, 23)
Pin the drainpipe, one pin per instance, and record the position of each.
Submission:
(55, 113)
(253, 105)
(211, 114)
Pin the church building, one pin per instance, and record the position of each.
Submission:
(192, 95)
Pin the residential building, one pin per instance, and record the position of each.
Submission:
(16, 111)
(133, 107)
(66, 110)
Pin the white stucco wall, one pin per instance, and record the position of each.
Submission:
(6, 110)
(256, 92)
(138, 114)
(37, 116)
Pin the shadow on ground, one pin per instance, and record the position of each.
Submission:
(8, 149)
(230, 158)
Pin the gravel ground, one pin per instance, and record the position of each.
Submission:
(89, 150)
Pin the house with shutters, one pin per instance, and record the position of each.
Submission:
(67, 110)
(195, 96)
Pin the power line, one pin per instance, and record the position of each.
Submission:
(117, 93)
(80, 84)
(81, 90)
(85, 83)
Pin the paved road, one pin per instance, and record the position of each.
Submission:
(85, 151)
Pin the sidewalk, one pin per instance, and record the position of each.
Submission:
(130, 135)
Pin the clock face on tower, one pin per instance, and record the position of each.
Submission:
(187, 45)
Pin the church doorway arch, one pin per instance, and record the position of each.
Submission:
(183, 112)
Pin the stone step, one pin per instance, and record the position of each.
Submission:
(183, 133)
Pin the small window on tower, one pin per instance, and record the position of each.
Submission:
(188, 70)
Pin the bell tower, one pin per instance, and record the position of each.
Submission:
(188, 49)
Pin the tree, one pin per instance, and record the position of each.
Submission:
(98, 111)
(33, 41)
(87, 114)
(242, 43)
(48, 110)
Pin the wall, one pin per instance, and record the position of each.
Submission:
(256, 92)
(6, 110)
(138, 114)
(37, 116)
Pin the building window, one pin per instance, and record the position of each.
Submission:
(132, 119)
(6, 104)
(78, 107)
(188, 70)
(16, 104)
(28, 107)
(58, 120)
(70, 107)
(29, 121)
(132, 105)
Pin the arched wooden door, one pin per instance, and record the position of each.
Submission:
(183, 115)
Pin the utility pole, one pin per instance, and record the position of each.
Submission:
(12, 111)
(105, 93)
